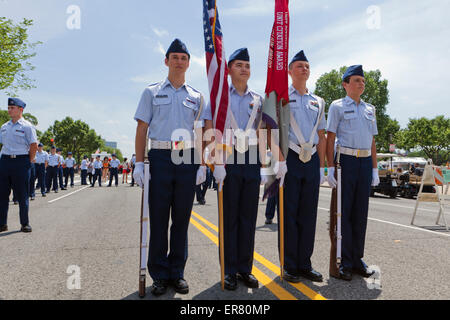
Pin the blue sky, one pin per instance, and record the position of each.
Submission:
(98, 72)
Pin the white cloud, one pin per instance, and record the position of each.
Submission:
(160, 32)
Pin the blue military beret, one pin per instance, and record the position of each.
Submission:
(85, 157)
(69, 153)
(113, 155)
(16, 102)
(40, 145)
(177, 46)
(58, 149)
(240, 54)
(53, 147)
(353, 71)
(299, 57)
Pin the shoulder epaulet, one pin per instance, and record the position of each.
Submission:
(154, 84)
(338, 102)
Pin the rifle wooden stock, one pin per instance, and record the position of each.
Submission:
(334, 269)
(142, 275)
(145, 221)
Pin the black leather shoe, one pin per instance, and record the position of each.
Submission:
(181, 286)
(311, 275)
(269, 221)
(230, 282)
(249, 280)
(32, 198)
(289, 277)
(159, 287)
(345, 274)
(26, 229)
(364, 272)
(3, 228)
(44, 195)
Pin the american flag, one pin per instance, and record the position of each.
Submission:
(216, 65)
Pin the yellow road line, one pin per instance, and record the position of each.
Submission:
(271, 266)
(278, 291)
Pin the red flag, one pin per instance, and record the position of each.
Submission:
(277, 74)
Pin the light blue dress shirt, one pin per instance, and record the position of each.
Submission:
(305, 109)
(242, 107)
(114, 163)
(17, 137)
(167, 109)
(70, 162)
(53, 160)
(41, 157)
(98, 164)
(354, 125)
(84, 165)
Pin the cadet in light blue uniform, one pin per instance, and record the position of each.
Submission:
(305, 165)
(70, 163)
(114, 170)
(19, 140)
(84, 169)
(52, 170)
(165, 107)
(97, 166)
(41, 165)
(243, 176)
(60, 169)
(352, 126)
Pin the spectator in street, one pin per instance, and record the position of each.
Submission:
(125, 170)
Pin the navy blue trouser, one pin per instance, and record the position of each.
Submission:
(40, 176)
(356, 184)
(171, 195)
(114, 172)
(301, 196)
(240, 210)
(32, 180)
(15, 175)
(60, 177)
(83, 177)
(272, 204)
(97, 175)
(69, 173)
(52, 178)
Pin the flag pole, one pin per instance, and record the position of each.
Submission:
(281, 217)
(221, 238)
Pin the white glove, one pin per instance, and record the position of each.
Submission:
(201, 175)
(139, 174)
(331, 180)
(322, 176)
(264, 176)
(281, 170)
(219, 174)
(375, 178)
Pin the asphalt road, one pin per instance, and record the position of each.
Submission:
(85, 245)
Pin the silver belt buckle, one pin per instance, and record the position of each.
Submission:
(178, 145)
(13, 156)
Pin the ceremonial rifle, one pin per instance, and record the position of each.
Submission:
(145, 221)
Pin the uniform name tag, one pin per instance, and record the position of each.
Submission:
(162, 96)
(292, 101)
(190, 101)
(21, 131)
(347, 112)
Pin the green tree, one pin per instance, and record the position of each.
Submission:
(74, 136)
(15, 53)
(432, 136)
(112, 150)
(329, 87)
